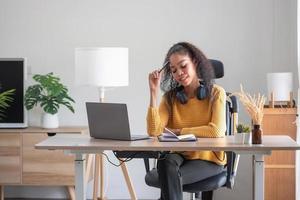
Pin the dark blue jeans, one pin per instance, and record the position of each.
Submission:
(174, 171)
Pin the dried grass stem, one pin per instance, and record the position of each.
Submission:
(253, 105)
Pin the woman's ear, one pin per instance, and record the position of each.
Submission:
(195, 62)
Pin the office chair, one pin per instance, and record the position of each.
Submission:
(202, 189)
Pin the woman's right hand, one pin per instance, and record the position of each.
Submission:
(154, 81)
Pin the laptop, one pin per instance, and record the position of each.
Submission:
(110, 121)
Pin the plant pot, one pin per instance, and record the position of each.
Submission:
(247, 138)
(50, 121)
(242, 138)
(238, 138)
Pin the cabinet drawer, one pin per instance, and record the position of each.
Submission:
(44, 167)
(281, 158)
(280, 184)
(280, 121)
(10, 164)
(280, 125)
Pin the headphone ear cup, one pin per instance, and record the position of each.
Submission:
(181, 97)
(201, 92)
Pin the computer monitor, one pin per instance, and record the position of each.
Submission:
(13, 76)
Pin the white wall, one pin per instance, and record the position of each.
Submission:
(250, 37)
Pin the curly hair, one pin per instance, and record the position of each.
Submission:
(204, 70)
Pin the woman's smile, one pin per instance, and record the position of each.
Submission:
(183, 80)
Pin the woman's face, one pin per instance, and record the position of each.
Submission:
(183, 69)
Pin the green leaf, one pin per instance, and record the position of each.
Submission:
(5, 100)
(49, 93)
(243, 128)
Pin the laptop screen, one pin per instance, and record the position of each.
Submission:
(108, 121)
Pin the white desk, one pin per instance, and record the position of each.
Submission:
(82, 144)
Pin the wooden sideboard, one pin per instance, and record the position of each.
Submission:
(22, 164)
(280, 169)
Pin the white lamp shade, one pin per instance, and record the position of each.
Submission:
(281, 84)
(102, 67)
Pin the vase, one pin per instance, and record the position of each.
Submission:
(256, 134)
(50, 120)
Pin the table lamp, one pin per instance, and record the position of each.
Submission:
(280, 88)
(104, 68)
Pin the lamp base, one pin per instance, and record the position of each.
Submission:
(287, 104)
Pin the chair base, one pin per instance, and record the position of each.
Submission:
(208, 195)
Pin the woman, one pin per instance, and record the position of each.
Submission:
(191, 104)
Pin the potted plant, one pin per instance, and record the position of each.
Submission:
(243, 132)
(254, 106)
(5, 99)
(243, 128)
(50, 94)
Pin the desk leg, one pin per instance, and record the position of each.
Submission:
(1, 192)
(99, 172)
(128, 182)
(96, 177)
(71, 191)
(79, 177)
(258, 179)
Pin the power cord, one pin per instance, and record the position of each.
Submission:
(121, 160)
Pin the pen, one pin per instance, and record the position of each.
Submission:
(164, 66)
(169, 131)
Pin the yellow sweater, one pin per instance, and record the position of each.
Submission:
(203, 118)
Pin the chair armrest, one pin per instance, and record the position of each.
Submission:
(234, 103)
(231, 159)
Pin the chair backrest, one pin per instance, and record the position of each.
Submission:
(232, 109)
(231, 123)
(218, 68)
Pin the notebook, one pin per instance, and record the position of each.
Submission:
(169, 136)
(110, 121)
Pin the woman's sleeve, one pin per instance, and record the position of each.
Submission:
(217, 126)
(157, 118)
